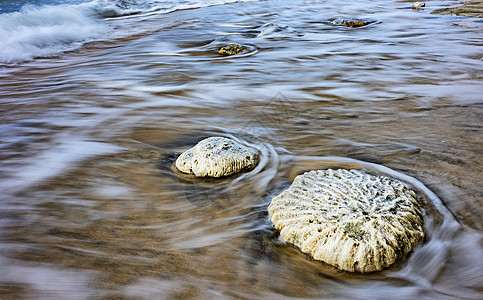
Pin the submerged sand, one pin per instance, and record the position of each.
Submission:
(473, 8)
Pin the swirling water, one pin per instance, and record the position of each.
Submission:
(98, 98)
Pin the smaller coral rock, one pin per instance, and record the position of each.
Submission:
(230, 50)
(418, 5)
(217, 157)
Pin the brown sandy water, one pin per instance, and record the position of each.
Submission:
(92, 206)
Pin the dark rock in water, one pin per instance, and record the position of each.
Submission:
(232, 49)
(352, 22)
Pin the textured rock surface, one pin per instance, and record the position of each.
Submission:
(217, 157)
(348, 218)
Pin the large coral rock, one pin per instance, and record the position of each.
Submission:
(217, 157)
(348, 218)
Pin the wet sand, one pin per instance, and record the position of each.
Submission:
(472, 8)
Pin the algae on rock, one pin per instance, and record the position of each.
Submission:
(352, 22)
(231, 49)
(349, 219)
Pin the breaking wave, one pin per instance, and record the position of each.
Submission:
(48, 30)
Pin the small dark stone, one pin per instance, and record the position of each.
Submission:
(355, 23)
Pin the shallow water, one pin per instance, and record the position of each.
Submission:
(93, 207)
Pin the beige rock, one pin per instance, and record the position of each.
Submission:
(352, 22)
(217, 157)
(348, 218)
(418, 5)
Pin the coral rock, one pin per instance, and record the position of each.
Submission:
(217, 157)
(349, 219)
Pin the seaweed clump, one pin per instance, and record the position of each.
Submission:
(231, 49)
(355, 23)
(352, 22)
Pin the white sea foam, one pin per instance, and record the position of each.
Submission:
(49, 30)
(46, 31)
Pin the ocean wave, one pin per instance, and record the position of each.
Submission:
(39, 31)
(116, 8)
(49, 30)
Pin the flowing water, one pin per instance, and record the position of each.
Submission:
(97, 99)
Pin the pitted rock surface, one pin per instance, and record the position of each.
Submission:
(349, 219)
(217, 157)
